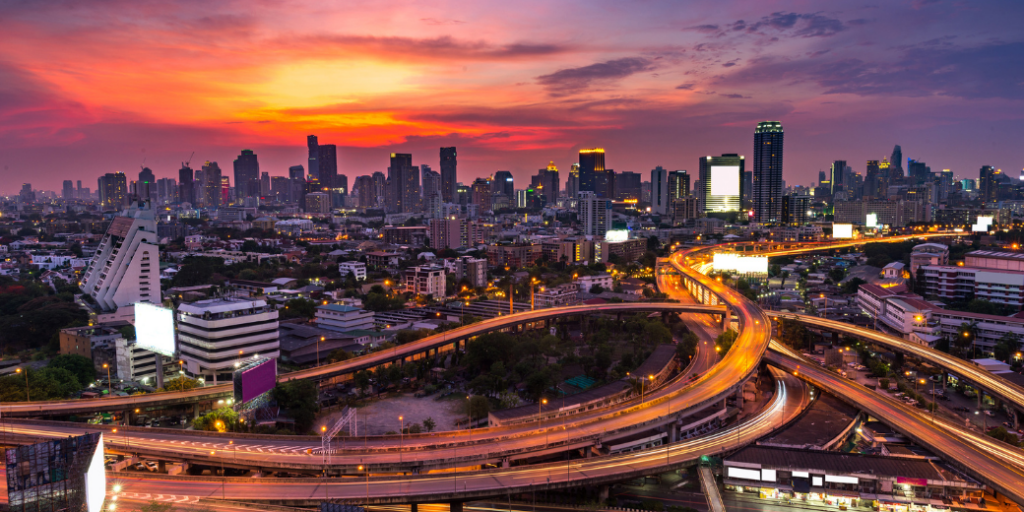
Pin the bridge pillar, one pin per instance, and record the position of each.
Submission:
(161, 466)
(455, 506)
(673, 432)
(504, 463)
(603, 493)
(414, 507)
(945, 377)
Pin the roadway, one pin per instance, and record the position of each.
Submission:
(994, 463)
(992, 383)
(789, 400)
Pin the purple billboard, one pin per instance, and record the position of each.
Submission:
(255, 379)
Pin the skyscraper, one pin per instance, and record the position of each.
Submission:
(988, 184)
(482, 194)
(766, 176)
(503, 184)
(297, 185)
(431, 181)
(838, 176)
(113, 189)
(379, 185)
(678, 186)
(314, 155)
(403, 194)
(721, 188)
(365, 191)
(591, 163)
(186, 188)
(328, 166)
(572, 183)
(594, 213)
(659, 190)
(449, 175)
(247, 175)
(265, 184)
(896, 163)
(627, 186)
(212, 186)
(68, 190)
(546, 182)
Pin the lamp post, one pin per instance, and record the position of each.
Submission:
(223, 477)
(27, 397)
(401, 439)
(322, 338)
(106, 367)
(543, 401)
(366, 470)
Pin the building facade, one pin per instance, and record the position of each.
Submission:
(766, 177)
(214, 336)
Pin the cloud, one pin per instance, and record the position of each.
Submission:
(705, 28)
(574, 80)
(685, 87)
(444, 48)
(734, 96)
(805, 25)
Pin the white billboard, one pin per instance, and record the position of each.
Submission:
(741, 264)
(725, 180)
(842, 230)
(746, 474)
(616, 235)
(95, 480)
(983, 223)
(154, 328)
(872, 220)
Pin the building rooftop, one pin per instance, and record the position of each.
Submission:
(338, 308)
(840, 463)
(997, 255)
(220, 305)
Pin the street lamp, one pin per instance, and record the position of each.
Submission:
(401, 439)
(367, 471)
(106, 367)
(543, 401)
(322, 338)
(223, 477)
(27, 398)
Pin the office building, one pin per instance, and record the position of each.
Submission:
(659, 191)
(412, 236)
(313, 163)
(113, 190)
(327, 163)
(627, 186)
(988, 184)
(684, 209)
(591, 163)
(594, 214)
(403, 185)
(247, 175)
(766, 176)
(68, 190)
(297, 185)
(720, 189)
(795, 210)
(426, 280)
(379, 187)
(126, 266)
(212, 186)
(449, 174)
(431, 182)
(340, 318)
(186, 187)
(365, 191)
(678, 185)
(896, 164)
(481, 194)
(318, 203)
(146, 186)
(217, 336)
(572, 183)
(446, 233)
(502, 183)
(265, 184)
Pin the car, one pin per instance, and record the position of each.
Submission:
(988, 412)
(152, 466)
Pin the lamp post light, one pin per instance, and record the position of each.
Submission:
(401, 439)
(105, 366)
(27, 397)
(543, 401)
(223, 477)
(366, 470)
(322, 338)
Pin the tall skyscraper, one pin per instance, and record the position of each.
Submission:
(113, 189)
(365, 191)
(659, 191)
(403, 194)
(482, 194)
(247, 175)
(627, 186)
(68, 190)
(594, 213)
(896, 163)
(265, 184)
(297, 187)
(449, 175)
(766, 176)
(591, 163)
(328, 166)
(341, 184)
(721, 186)
(988, 184)
(503, 184)
(379, 188)
(837, 176)
(314, 155)
(678, 186)
(431, 181)
(212, 186)
(186, 188)
(572, 183)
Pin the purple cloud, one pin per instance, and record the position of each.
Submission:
(574, 80)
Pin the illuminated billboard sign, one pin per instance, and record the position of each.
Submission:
(725, 180)
(740, 264)
(983, 223)
(254, 379)
(872, 220)
(154, 328)
(616, 235)
(842, 230)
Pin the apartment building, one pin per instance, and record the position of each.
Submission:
(357, 269)
(425, 280)
(343, 318)
(126, 266)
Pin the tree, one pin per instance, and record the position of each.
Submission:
(726, 340)
(82, 367)
(299, 399)
(298, 308)
(883, 383)
(362, 380)
(477, 407)
(250, 246)
(851, 286)
(181, 383)
(429, 424)
(686, 348)
(837, 274)
(596, 289)
(224, 419)
(1007, 347)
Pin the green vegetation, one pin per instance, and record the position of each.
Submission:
(379, 299)
(50, 383)
(1001, 434)
(725, 341)
(983, 307)
(880, 254)
(181, 383)
(31, 315)
(81, 367)
(298, 308)
(224, 419)
(298, 399)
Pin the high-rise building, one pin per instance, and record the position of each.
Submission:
(297, 189)
(988, 184)
(627, 186)
(896, 163)
(918, 170)
(837, 176)
(766, 176)
(430, 181)
(449, 175)
(327, 163)
(721, 186)
(591, 163)
(281, 188)
(225, 190)
(403, 194)
(795, 209)
(68, 190)
(572, 183)
(126, 266)
(186, 187)
(482, 194)
(549, 182)
(318, 203)
(212, 186)
(446, 233)
(146, 187)
(678, 185)
(659, 191)
(215, 335)
(113, 189)
(247, 175)
(379, 186)
(341, 184)
(502, 183)
(594, 214)
(167, 190)
(314, 156)
(265, 184)
(364, 191)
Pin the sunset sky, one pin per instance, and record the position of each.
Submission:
(88, 87)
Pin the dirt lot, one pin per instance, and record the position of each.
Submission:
(382, 416)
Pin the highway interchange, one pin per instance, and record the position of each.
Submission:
(997, 464)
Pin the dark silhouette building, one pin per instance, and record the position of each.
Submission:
(449, 175)
(314, 155)
(247, 175)
(591, 162)
(766, 176)
(328, 166)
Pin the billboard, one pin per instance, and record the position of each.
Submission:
(61, 474)
(725, 180)
(154, 328)
(616, 235)
(872, 220)
(842, 230)
(983, 223)
(254, 379)
(740, 264)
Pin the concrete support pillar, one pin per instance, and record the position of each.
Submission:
(414, 508)
(455, 506)
(603, 493)
(945, 377)
(161, 466)
(673, 432)
(739, 395)
(504, 463)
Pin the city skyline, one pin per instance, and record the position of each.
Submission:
(664, 86)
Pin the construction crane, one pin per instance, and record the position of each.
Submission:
(189, 161)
